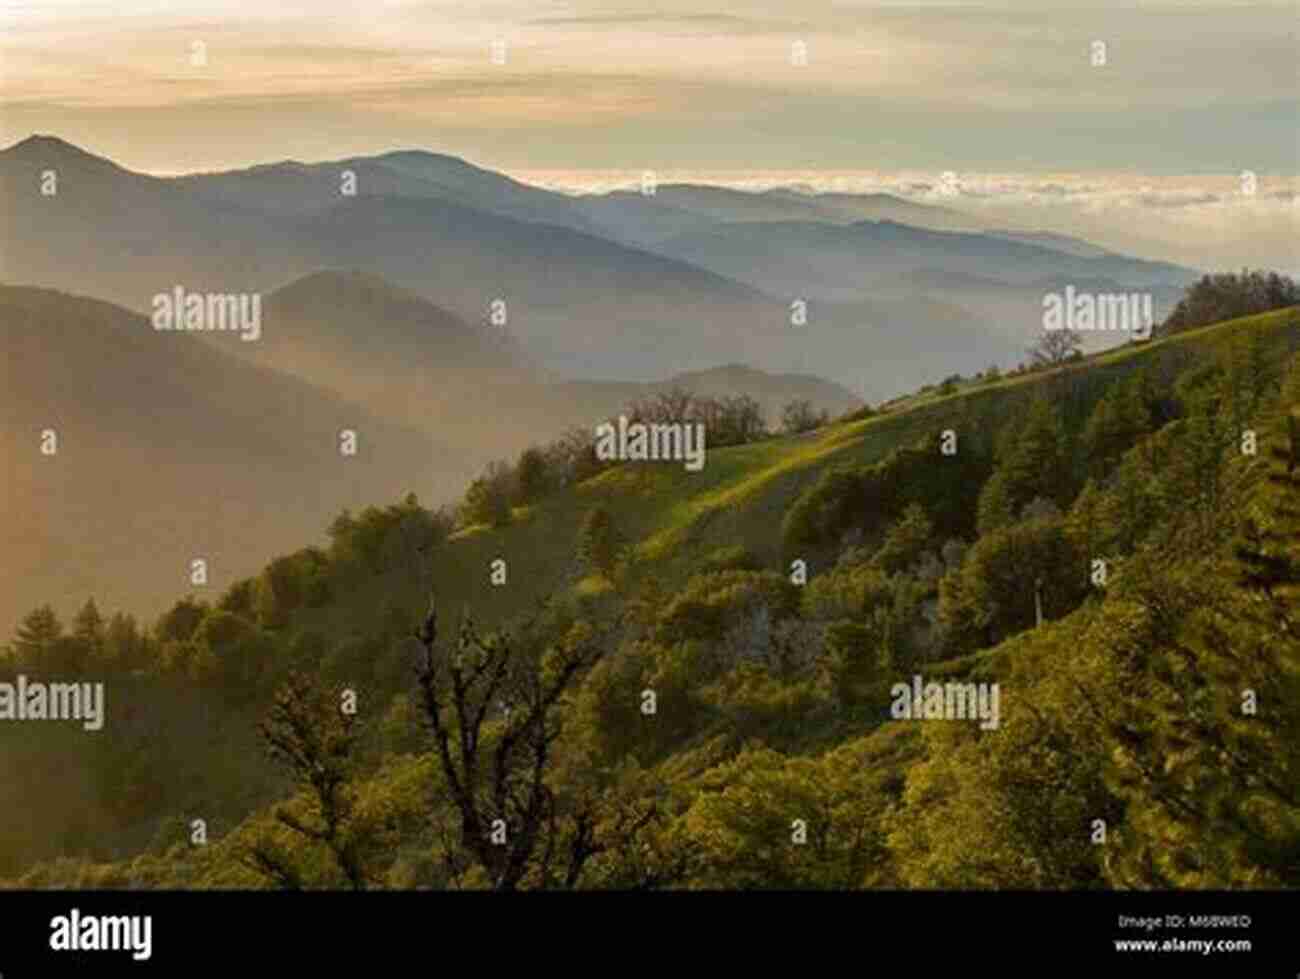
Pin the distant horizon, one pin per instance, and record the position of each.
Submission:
(1202, 220)
(833, 178)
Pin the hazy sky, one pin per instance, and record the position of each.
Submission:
(1187, 87)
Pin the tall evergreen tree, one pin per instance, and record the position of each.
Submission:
(36, 635)
(1120, 418)
(531, 476)
(1031, 464)
(88, 627)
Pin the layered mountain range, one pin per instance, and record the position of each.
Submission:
(447, 315)
(624, 285)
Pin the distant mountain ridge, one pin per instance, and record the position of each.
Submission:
(167, 451)
(629, 286)
(387, 348)
(176, 446)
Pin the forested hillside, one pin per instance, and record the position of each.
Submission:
(643, 676)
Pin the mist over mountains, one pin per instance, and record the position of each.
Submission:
(449, 316)
(175, 446)
(168, 450)
(626, 286)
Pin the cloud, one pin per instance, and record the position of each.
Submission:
(1204, 221)
(598, 84)
(1177, 199)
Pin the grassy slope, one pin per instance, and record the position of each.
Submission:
(675, 518)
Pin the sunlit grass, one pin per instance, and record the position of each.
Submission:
(670, 516)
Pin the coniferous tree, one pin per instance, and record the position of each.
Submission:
(1120, 418)
(36, 635)
(531, 476)
(1031, 464)
(88, 628)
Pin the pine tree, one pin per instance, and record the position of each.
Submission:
(1032, 464)
(1120, 418)
(1036, 464)
(531, 476)
(124, 642)
(88, 627)
(1197, 470)
(36, 635)
(995, 506)
(1091, 523)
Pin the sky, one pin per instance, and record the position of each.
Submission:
(1186, 87)
(1007, 93)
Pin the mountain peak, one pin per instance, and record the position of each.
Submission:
(46, 149)
(342, 279)
(419, 154)
(44, 141)
(349, 288)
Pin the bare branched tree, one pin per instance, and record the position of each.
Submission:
(309, 734)
(495, 774)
